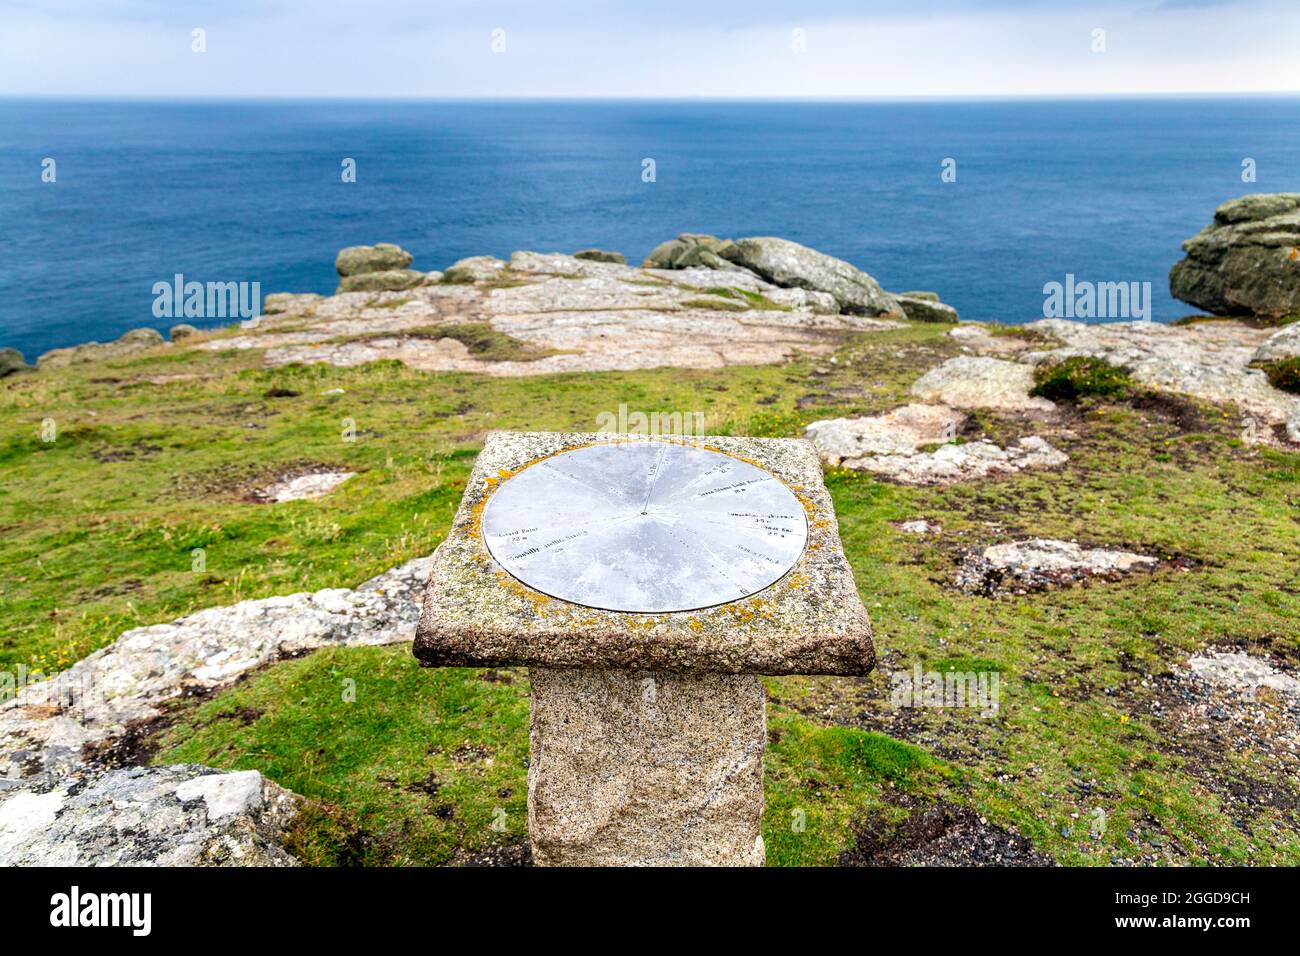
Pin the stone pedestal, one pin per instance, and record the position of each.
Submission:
(646, 768)
(648, 727)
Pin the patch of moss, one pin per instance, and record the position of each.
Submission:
(1284, 375)
(1073, 378)
(717, 305)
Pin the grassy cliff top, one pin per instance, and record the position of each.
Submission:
(145, 506)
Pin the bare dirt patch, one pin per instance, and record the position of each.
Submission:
(939, 834)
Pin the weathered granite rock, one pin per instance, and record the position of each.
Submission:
(787, 263)
(600, 255)
(921, 526)
(925, 307)
(687, 250)
(645, 768)
(577, 315)
(981, 382)
(45, 728)
(137, 340)
(1282, 344)
(183, 815)
(474, 269)
(182, 331)
(1207, 360)
(822, 303)
(978, 339)
(1038, 563)
(1242, 672)
(392, 280)
(1247, 261)
(970, 461)
(381, 257)
(1293, 427)
(291, 302)
(299, 487)
(811, 621)
(899, 432)
(11, 361)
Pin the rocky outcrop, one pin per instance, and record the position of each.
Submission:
(473, 269)
(689, 250)
(181, 332)
(1021, 566)
(980, 382)
(564, 314)
(1281, 345)
(381, 257)
(600, 255)
(1247, 261)
(959, 462)
(393, 280)
(378, 268)
(183, 815)
(789, 264)
(280, 302)
(11, 360)
(891, 446)
(137, 340)
(845, 441)
(1210, 361)
(926, 307)
(51, 728)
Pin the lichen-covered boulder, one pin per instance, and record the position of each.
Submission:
(687, 250)
(978, 382)
(600, 255)
(137, 340)
(789, 264)
(11, 360)
(926, 307)
(1246, 262)
(182, 331)
(1281, 345)
(182, 815)
(393, 280)
(281, 302)
(474, 269)
(381, 257)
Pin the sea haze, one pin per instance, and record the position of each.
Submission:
(251, 191)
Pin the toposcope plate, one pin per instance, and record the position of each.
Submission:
(645, 527)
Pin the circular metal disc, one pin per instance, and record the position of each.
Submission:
(645, 526)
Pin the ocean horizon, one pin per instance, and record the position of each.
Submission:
(1099, 189)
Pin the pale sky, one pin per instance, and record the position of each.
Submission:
(653, 48)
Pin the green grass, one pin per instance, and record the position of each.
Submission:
(1284, 375)
(1073, 378)
(153, 458)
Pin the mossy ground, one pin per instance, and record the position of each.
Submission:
(152, 459)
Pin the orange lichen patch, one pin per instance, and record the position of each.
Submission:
(694, 624)
(539, 601)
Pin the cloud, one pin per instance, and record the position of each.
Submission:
(661, 48)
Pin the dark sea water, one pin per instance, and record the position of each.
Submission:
(242, 191)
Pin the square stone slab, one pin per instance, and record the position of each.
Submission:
(809, 620)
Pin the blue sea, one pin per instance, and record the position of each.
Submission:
(251, 191)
